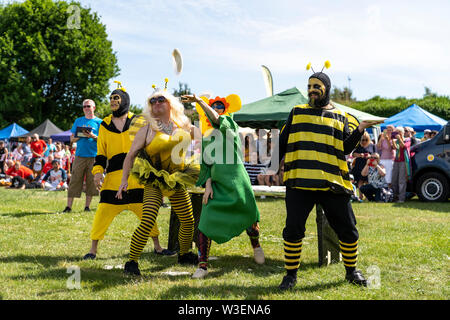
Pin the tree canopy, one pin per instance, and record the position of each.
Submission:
(53, 55)
(384, 107)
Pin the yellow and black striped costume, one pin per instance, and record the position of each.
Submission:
(314, 142)
(315, 147)
(163, 177)
(112, 148)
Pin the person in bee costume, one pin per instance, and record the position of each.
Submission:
(314, 141)
(229, 205)
(113, 144)
(158, 159)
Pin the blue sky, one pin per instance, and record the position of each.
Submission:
(387, 48)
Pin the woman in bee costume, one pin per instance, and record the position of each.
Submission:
(158, 159)
(229, 205)
(314, 142)
(113, 144)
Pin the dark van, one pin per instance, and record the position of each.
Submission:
(430, 164)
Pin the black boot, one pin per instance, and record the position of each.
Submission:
(289, 281)
(188, 258)
(356, 277)
(132, 267)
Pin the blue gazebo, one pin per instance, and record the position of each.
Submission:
(12, 130)
(416, 118)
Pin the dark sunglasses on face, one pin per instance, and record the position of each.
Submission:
(115, 97)
(159, 99)
(87, 106)
(364, 140)
(218, 106)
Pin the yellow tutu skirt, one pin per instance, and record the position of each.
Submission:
(148, 173)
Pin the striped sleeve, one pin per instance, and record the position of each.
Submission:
(352, 135)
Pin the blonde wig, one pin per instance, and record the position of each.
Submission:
(176, 112)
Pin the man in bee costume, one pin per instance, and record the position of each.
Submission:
(113, 144)
(314, 142)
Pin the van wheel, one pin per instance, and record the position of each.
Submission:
(432, 186)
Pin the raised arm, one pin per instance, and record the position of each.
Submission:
(210, 112)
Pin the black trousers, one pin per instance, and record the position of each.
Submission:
(371, 193)
(337, 209)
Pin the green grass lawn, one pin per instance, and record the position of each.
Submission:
(408, 243)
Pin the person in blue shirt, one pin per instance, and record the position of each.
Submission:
(50, 148)
(84, 133)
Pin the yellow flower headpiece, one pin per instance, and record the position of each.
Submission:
(166, 81)
(232, 104)
(119, 86)
(327, 65)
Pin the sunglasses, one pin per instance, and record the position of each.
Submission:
(159, 99)
(218, 105)
(115, 97)
(364, 140)
(87, 106)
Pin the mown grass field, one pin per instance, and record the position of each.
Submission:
(408, 243)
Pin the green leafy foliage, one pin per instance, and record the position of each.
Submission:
(384, 107)
(53, 55)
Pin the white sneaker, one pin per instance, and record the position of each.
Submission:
(199, 273)
(258, 253)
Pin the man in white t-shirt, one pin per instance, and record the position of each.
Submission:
(55, 179)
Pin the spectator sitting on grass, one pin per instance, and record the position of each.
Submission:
(49, 165)
(55, 179)
(18, 174)
(375, 173)
(17, 169)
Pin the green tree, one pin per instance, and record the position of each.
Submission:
(344, 95)
(183, 89)
(53, 54)
(429, 93)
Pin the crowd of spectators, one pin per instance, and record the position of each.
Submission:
(36, 163)
(379, 169)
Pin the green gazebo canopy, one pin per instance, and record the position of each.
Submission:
(273, 111)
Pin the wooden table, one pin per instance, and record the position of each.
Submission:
(328, 245)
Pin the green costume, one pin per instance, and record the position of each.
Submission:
(233, 207)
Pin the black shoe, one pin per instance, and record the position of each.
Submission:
(165, 252)
(188, 258)
(87, 209)
(288, 282)
(356, 277)
(89, 256)
(132, 267)
(67, 209)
